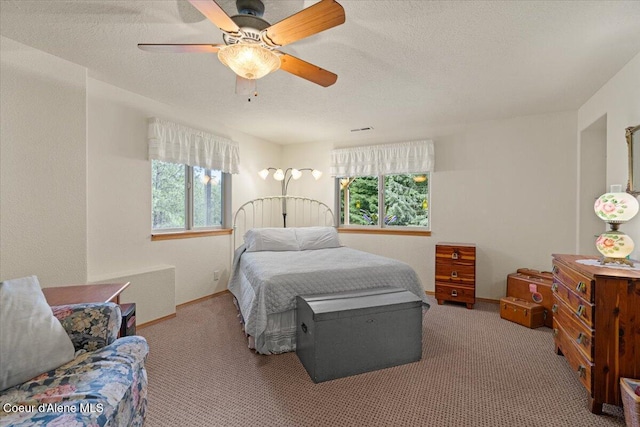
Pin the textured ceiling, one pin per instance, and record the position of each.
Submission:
(404, 67)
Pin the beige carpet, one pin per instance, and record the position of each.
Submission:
(476, 370)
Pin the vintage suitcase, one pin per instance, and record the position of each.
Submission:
(546, 275)
(525, 313)
(348, 333)
(533, 289)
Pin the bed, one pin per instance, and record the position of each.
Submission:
(272, 265)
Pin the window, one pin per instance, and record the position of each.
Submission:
(393, 200)
(191, 179)
(186, 197)
(377, 186)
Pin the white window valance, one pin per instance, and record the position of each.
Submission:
(172, 142)
(403, 157)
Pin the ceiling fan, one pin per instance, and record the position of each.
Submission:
(251, 43)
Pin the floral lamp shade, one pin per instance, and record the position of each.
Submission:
(614, 244)
(615, 208)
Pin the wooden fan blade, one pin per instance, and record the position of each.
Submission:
(215, 14)
(180, 48)
(321, 16)
(307, 71)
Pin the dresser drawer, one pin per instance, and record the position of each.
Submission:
(576, 330)
(581, 285)
(450, 292)
(580, 308)
(464, 274)
(460, 255)
(580, 365)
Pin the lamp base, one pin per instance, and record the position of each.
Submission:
(609, 260)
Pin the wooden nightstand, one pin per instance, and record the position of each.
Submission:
(456, 273)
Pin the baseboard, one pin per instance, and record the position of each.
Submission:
(489, 300)
(204, 298)
(179, 306)
(155, 321)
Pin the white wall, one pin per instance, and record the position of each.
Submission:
(619, 100)
(119, 198)
(508, 186)
(592, 182)
(43, 169)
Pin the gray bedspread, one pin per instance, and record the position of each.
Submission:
(267, 282)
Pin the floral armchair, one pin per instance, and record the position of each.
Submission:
(105, 384)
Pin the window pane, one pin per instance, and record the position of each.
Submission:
(359, 201)
(168, 195)
(406, 200)
(207, 197)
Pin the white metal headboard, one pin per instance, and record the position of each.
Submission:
(280, 211)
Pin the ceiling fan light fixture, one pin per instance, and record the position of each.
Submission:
(248, 60)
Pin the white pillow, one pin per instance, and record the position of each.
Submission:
(271, 239)
(317, 238)
(32, 340)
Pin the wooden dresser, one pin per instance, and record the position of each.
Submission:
(596, 325)
(456, 273)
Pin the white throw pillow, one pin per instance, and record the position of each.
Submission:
(271, 239)
(32, 340)
(317, 238)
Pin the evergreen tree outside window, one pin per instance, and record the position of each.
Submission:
(185, 197)
(394, 200)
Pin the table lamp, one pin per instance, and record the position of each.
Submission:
(615, 208)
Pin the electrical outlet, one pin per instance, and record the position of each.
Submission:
(216, 275)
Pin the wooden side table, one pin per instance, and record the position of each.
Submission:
(107, 292)
(76, 294)
(456, 273)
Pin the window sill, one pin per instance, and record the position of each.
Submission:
(404, 232)
(190, 234)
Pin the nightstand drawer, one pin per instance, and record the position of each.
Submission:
(450, 292)
(464, 274)
(464, 255)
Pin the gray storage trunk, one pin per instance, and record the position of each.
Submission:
(347, 333)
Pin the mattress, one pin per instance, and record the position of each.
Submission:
(265, 285)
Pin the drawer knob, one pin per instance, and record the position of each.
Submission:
(454, 274)
(582, 371)
(554, 269)
(555, 332)
(580, 310)
(554, 308)
(454, 293)
(580, 338)
(554, 287)
(581, 287)
(454, 255)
